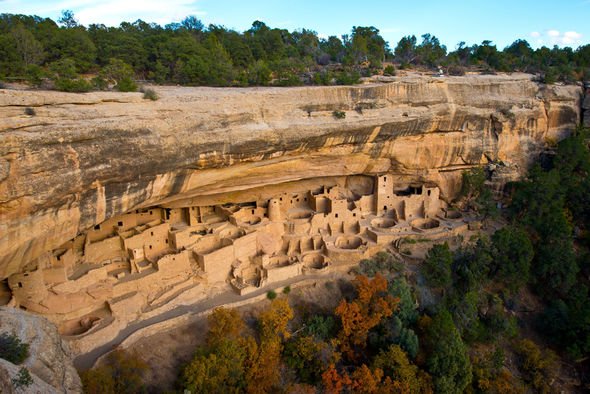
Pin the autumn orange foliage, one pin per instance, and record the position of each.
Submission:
(224, 324)
(264, 360)
(365, 312)
(363, 380)
(333, 382)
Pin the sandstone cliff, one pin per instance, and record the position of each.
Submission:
(9, 371)
(49, 362)
(86, 157)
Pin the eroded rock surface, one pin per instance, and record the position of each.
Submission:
(9, 373)
(84, 158)
(49, 360)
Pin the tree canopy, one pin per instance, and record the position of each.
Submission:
(190, 53)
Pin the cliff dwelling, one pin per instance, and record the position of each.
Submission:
(136, 262)
(162, 209)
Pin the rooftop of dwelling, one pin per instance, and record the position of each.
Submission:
(66, 54)
(142, 261)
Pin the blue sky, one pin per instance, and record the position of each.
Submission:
(541, 22)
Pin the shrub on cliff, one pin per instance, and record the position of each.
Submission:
(34, 75)
(99, 83)
(13, 349)
(259, 73)
(348, 78)
(22, 379)
(77, 85)
(549, 76)
(456, 70)
(121, 73)
(64, 74)
(339, 114)
(150, 94)
(389, 70)
(271, 294)
(126, 85)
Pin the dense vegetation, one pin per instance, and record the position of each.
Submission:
(50, 54)
(121, 375)
(466, 323)
(554, 205)
(13, 349)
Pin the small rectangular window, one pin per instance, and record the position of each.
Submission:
(97, 227)
(120, 224)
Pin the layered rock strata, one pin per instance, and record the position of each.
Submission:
(85, 158)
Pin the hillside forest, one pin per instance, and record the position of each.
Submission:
(67, 56)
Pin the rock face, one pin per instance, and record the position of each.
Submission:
(84, 158)
(9, 371)
(49, 361)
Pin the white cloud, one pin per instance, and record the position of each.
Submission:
(552, 37)
(113, 12)
(571, 37)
